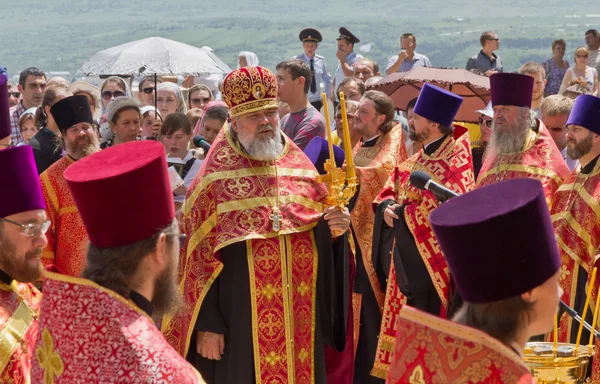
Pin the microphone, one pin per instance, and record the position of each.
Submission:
(422, 180)
(200, 142)
(575, 316)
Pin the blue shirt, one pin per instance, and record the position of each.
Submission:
(339, 73)
(321, 75)
(418, 60)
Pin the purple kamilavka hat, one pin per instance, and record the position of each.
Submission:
(498, 240)
(20, 189)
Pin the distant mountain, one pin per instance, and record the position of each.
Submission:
(60, 35)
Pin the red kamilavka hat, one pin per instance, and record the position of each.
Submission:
(123, 193)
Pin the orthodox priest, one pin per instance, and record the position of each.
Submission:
(403, 243)
(67, 238)
(504, 306)
(576, 213)
(23, 226)
(520, 146)
(261, 297)
(379, 152)
(99, 329)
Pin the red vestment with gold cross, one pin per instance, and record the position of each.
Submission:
(19, 312)
(374, 165)
(576, 219)
(540, 159)
(90, 334)
(67, 236)
(430, 349)
(232, 201)
(451, 165)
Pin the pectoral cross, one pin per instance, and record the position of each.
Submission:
(275, 217)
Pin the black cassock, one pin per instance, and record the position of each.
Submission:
(226, 309)
(412, 278)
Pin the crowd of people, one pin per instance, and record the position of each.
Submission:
(189, 235)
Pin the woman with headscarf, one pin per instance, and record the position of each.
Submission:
(216, 114)
(112, 88)
(198, 96)
(151, 122)
(170, 99)
(91, 92)
(247, 59)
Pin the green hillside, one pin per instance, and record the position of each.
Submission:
(61, 35)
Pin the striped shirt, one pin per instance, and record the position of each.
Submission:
(301, 127)
(15, 114)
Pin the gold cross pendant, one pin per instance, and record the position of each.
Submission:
(275, 217)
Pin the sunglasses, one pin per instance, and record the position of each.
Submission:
(16, 95)
(201, 100)
(496, 39)
(148, 90)
(107, 95)
(487, 123)
(582, 56)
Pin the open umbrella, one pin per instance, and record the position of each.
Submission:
(404, 86)
(154, 56)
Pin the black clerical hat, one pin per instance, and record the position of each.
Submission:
(347, 35)
(310, 34)
(70, 111)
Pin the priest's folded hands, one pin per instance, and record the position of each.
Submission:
(338, 220)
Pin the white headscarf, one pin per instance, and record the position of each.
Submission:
(177, 92)
(119, 81)
(251, 58)
(106, 132)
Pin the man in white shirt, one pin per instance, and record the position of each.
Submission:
(407, 58)
(592, 39)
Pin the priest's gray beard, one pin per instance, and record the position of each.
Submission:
(262, 146)
(509, 137)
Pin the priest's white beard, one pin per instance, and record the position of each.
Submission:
(509, 137)
(263, 148)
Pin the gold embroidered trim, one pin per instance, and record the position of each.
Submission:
(314, 301)
(239, 173)
(253, 106)
(461, 332)
(288, 304)
(522, 168)
(13, 332)
(583, 235)
(255, 343)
